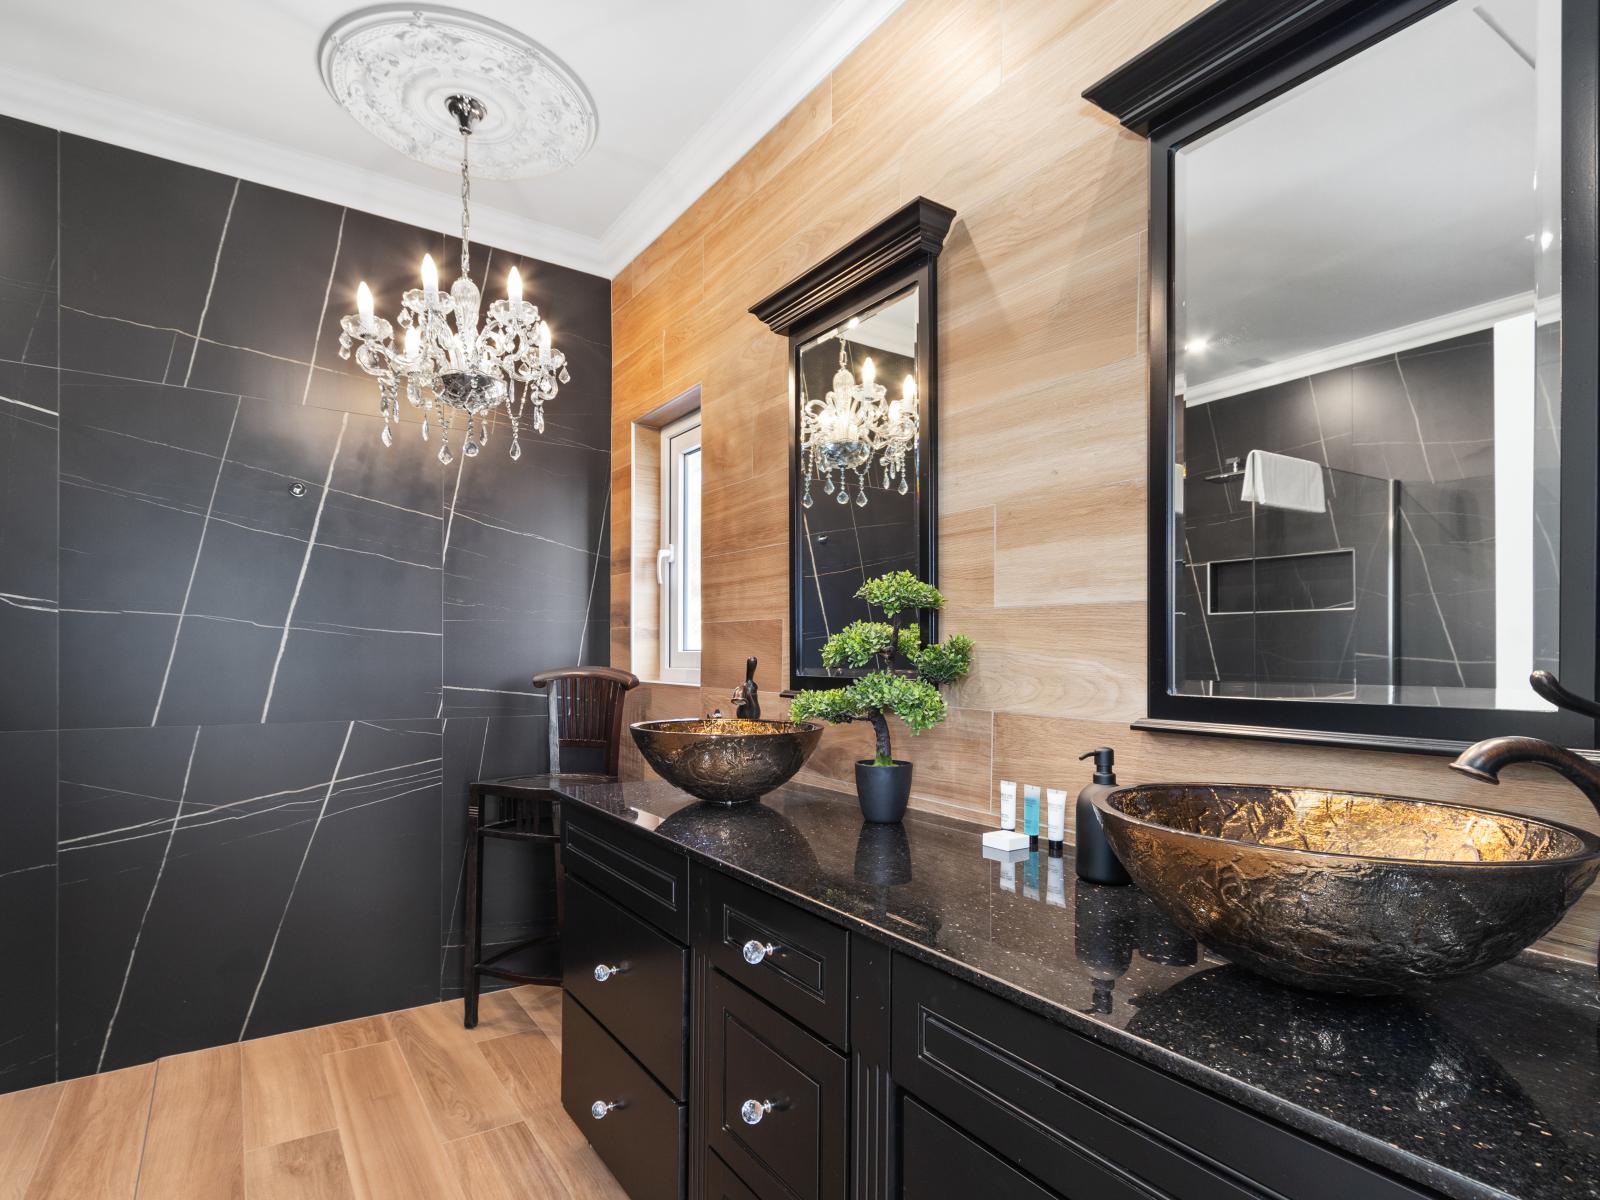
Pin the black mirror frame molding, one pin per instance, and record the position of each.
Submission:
(1229, 58)
(900, 251)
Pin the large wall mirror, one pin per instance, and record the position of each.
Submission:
(1373, 431)
(863, 379)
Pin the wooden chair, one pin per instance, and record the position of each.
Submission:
(585, 718)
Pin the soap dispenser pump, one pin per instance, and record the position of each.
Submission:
(1096, 861)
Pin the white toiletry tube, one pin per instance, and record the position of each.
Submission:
(1008, 804)
(1056, 806)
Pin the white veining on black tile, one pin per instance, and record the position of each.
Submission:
(333, 779)
(311, 543)
(205, 307)
(199, 549)
(151, 525)
(327, 292)
(155, 885)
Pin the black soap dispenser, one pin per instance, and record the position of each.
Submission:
(1096, 861)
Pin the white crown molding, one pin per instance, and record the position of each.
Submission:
(1347, 354)
(104, 117)
(769, 92)
(766, 96)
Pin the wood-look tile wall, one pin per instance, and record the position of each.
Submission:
(975, 104)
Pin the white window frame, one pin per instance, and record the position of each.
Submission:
(678, 440)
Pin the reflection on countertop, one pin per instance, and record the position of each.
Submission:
(1483, 1087)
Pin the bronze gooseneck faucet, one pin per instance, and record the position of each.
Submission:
(1485, 760)
(744, 696)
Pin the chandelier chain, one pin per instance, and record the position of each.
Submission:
(466, 206)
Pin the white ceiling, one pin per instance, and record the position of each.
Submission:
(683, 89)
(1390, 197)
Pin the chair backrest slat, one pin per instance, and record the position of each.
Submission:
(586, 710)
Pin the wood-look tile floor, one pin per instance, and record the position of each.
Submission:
(404, 1106)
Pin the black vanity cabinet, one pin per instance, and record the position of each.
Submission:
(1086, 1121)
(772, 1028)
(725, 1038)
(624, 1015)
(811, 1063)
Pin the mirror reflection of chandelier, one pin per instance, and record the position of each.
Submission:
(842, 433)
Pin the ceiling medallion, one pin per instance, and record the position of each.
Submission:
(395, 67)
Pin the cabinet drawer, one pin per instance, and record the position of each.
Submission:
(721, 1183)
(806, 974)
(1062, 1107)
(630, 868)
(641, 1003)
(942, 1163)
(642, 1139)
(794, 1150)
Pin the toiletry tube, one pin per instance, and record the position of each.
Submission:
(1008, 804)
(1030, 813)
(1057, 807)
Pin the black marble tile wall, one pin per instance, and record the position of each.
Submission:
(238, 723)
(1423, 419)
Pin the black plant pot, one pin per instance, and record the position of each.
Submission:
(883, 791)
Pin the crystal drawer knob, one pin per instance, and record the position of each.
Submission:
(756, 952)
(753, 1110)
(600, 1108)
(602, 972)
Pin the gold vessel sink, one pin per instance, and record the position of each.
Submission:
(1347, 892)
(727, 760)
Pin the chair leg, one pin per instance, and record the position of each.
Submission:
(559, 869)
(472, 954)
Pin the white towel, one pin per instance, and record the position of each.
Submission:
(1280, 481)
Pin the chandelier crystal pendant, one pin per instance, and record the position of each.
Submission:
(842, 433)
(466, 370)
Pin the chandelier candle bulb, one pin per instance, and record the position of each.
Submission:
(430, 280)
(514, 287)
(544, 339)
(364, 304)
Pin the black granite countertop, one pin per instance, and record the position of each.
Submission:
(1484, 1087)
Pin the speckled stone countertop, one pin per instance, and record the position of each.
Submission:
(1485, 1087)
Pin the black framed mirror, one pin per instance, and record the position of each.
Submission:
(1373, 434)
(863, 381)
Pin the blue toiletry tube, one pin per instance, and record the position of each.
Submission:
(1030, 811)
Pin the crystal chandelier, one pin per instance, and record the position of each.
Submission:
(465, 371)
(841, 434)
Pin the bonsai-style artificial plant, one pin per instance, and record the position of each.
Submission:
(903, 681)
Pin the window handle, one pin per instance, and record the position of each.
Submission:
(663, 557)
